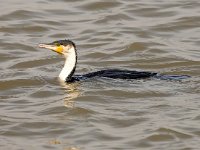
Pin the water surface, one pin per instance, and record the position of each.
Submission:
(37, 111)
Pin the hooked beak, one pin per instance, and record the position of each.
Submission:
(58, 49)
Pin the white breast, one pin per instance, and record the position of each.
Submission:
(70, 64)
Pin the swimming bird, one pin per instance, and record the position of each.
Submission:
(68, 49)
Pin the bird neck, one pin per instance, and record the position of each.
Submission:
(70, 65)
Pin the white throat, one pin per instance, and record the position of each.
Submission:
(70, 64)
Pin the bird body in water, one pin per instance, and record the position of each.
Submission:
(68, 49)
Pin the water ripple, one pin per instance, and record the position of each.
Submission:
(40, 112)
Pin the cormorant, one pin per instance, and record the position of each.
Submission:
(68, 49)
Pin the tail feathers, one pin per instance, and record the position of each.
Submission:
(172, 77)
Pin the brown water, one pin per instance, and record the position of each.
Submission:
(37, 112)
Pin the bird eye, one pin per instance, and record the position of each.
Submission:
(57, 44)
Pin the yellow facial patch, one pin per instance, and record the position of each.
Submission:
(59, 49)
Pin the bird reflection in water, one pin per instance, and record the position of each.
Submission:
(72, 93)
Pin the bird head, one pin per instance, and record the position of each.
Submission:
(61, 46)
